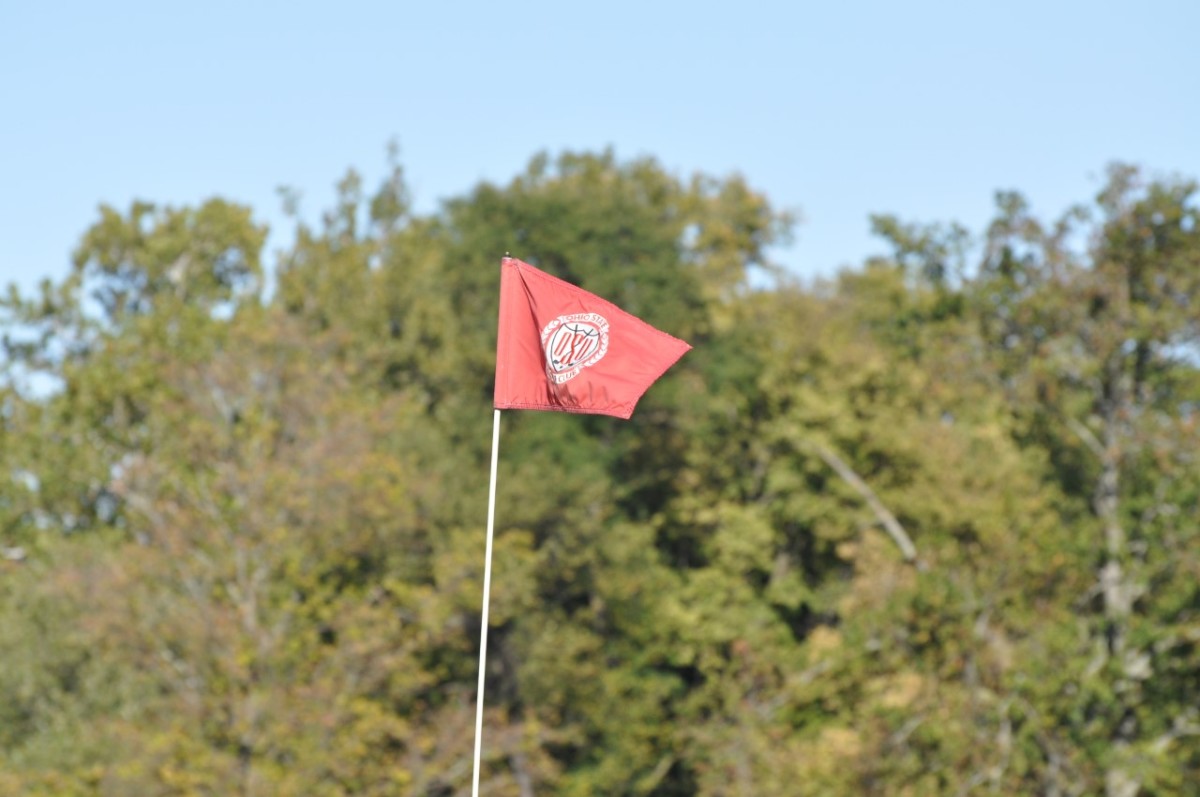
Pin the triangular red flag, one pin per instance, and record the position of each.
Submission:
(561, 348)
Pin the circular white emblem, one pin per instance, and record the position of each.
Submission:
(572, 343)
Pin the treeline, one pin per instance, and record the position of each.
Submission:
(929, 528)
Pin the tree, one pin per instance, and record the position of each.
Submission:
(1098, 350)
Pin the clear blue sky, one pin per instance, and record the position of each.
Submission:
(837, 110)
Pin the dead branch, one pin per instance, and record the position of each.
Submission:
(885, 517)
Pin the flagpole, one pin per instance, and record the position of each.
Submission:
(487, 588)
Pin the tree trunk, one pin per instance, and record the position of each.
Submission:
(1118, 603)
(1112, 576)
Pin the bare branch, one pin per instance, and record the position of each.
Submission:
(885, 517)
(1182, 725)
(648, 782)
(520, 771)
(1087, 436)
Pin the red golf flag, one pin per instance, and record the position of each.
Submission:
(561, 348)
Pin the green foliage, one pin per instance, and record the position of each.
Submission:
(928, 528)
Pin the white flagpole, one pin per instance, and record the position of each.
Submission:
(487, 588)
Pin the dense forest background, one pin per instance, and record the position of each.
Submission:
(928, 528)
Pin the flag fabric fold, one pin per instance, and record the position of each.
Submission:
(563, 349)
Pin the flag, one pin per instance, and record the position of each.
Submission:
(561, 348)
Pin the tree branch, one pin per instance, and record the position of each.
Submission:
(1087, 436)
(885, 517)
(521, 774)
(1182, 725)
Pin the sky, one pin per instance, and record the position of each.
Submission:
(834, 110)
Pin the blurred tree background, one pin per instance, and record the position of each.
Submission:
(929, 528)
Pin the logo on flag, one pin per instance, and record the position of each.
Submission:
(572, 343)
